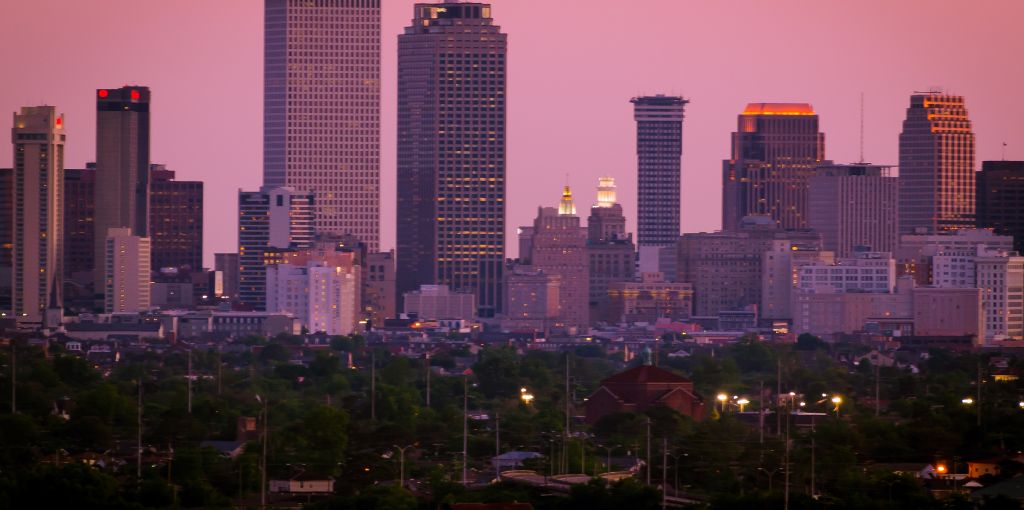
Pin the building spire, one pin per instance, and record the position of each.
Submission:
(566, 207)
(605, 191)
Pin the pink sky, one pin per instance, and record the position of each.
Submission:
(573, 65)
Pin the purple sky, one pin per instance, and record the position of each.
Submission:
(573, 65)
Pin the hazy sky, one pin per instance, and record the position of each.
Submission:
(573, 66)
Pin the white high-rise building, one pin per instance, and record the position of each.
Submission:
(126, 278)
(38, 219)
(864, 272)
(1000, 276)
(321, 109)
(324, 296)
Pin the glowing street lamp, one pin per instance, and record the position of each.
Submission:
(525, 396)
(742, 403)
(722, 398)
(1020, 404)
(837, 400)
(967, 401)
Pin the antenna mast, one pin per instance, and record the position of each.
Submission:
(861, 127)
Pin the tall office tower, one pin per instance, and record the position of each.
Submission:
(227, 265)
(38, 220)
(775, 150)
(659, 150)
(79, 228)
(127, 276)
(7, 236)
(122, 168)
(175, 220)
(269, 219)
(610, 250)
(726, 267)
(321, 109)
(451, 152)
(1000, 193)
(854, 205)
(559, 248)
(936, 165)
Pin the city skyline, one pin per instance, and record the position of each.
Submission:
(225, 151)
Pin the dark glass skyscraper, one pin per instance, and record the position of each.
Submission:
(775, 151)
(269, 219)
(451, 152)
(122, 168)
(175, 220)
(321, 109)
(79, 217)
(1000, 193)
(659, 150)
(937, 182)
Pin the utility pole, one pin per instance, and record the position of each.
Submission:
(263, 462)
(568, 432)
(778, 395)
(760, 416)
(190, 381)
(426, 357)
(373, 385)
(979, 395)
(220, 370)
(497, 443)
(664, 472)
(14, 379)
(465, 428)
(813, 439)
(786, 488)
(648, 451)
(138, 437)
(878, 393)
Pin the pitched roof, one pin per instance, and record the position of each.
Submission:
(646, 374)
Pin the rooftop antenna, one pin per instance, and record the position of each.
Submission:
(1004, 151)
(861, 127)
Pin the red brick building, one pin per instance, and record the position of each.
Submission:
(641, 388)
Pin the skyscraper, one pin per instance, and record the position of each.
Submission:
(175, 220)
(659, 150)
(79, 222)
(610, 250)
(227, 265)
(559, 247)
(775, 150)
(1001, 199)
(854, 205)
(7, 236)
(451, 152)
(936, 165)
(122, 168)
(38, 182)
(268, 219)
(321, 109)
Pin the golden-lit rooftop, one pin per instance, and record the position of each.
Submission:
(778, 109)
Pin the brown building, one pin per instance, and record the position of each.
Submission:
(641, 388)
(937, 181)
(532, 299)
(775, 150)
(175, 220)
(559, 247)
(610, 250)
(650, 299)
(379, 298)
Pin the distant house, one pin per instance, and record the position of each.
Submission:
(303, 483)
(979, 468)
(641, 388)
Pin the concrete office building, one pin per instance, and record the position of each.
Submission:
(650, 299)
(122, 168)
(775, 151)
(559, 247)
(127, 274)
(439, 302)
(854, 205)
(610, 250)
(532, 301)
(780, 267)
(451, 152)
(227, 265)
(916, 252)
(379, 298)
(1000, 195)
(37, 259)
(725, 268)
(321, 109)
(320, 287)
(175, 221)
(270, 219)
(7, 237)
(864, 272)
(937, 181)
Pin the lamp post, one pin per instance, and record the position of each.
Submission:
(837, 400)
(263, 461)
(722, 399)
(401, 464)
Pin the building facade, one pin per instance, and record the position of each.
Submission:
(321, 109)
(775, 151)
(7, 236)
(610, 250)
(559, 247)
(227, 265)
(649, 299)
(659, 150)
(175, 220)
(379, 298)
(439, 302)
(451, 152)
(854, 205)
(127, 274)
(38, 220)
(937, 182)
(532, 299)
(79, 228)
(122, 167)
(321, 291)
(269, 219)
(1000, 193)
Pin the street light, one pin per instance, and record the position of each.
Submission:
(722, 397)
(525, 396)
(401, 464)
(1020, 404)
(837, 400)
(742, 403)
(263, 462)
(967, 401)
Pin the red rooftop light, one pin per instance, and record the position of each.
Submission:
(103, 93)
(135, 94)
